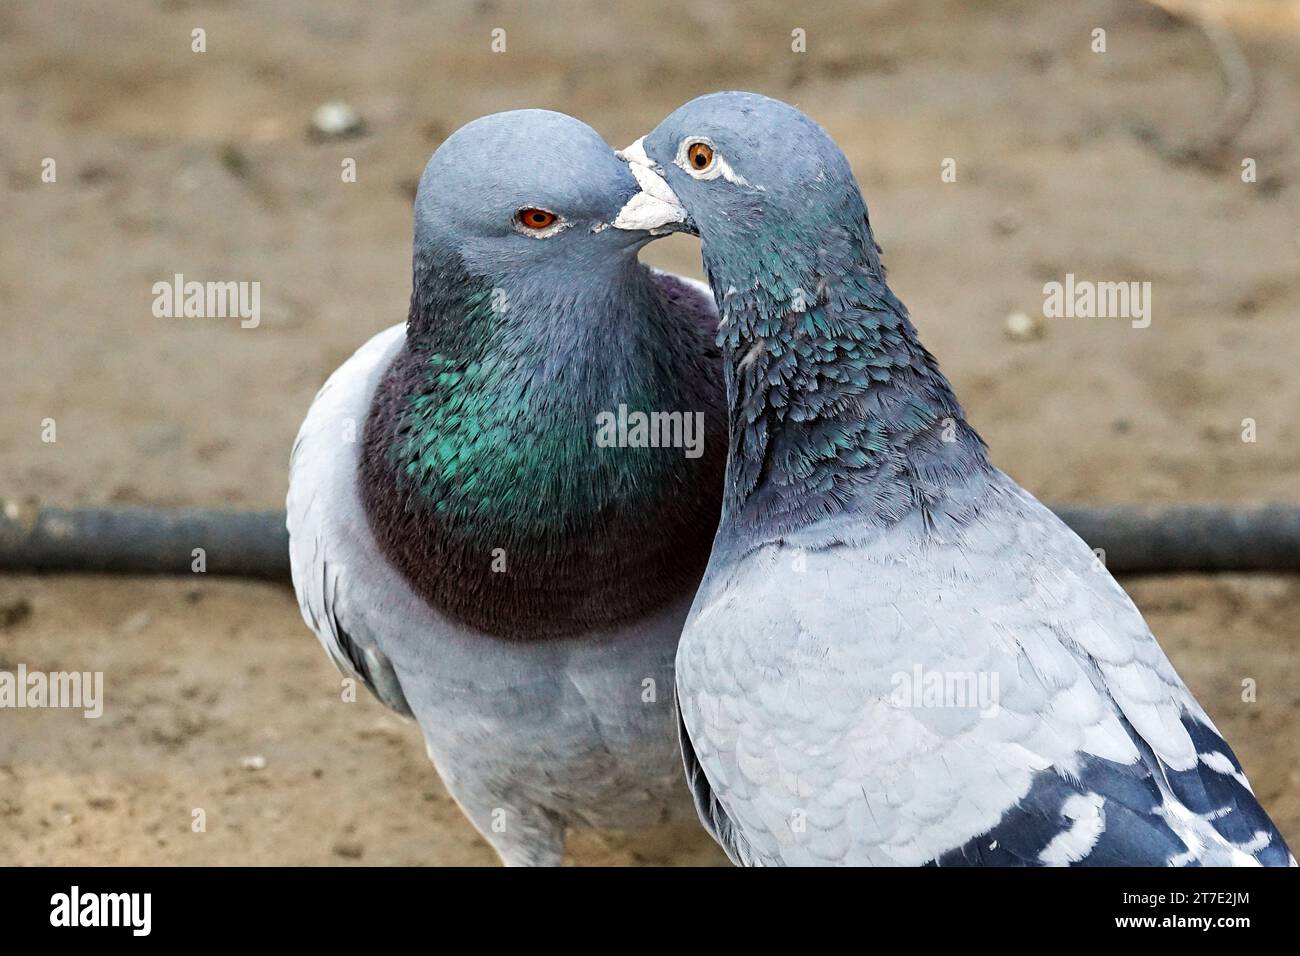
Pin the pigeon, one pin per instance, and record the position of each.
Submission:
(482, 530)
(897, 655)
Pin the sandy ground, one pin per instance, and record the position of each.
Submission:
(172, 161)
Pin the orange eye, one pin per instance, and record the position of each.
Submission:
(699, 155)
(535, 218)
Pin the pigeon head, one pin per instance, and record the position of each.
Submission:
(530, 320)
(746, 172)
(826, 380)
(521, 191)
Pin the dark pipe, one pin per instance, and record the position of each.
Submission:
(1137, 539)
(1165, 539)
(146, 541)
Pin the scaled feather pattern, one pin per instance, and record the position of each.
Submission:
(897, 655)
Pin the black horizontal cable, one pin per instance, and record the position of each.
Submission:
(1136, 539)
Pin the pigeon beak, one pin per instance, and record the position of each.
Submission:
(656, 208)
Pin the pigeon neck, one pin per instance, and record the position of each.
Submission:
(483, 478)
(834, 404)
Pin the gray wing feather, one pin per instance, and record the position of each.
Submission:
(802, 678)
(324, 518)
(712, 814)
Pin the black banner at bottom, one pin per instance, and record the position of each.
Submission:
(370, 906)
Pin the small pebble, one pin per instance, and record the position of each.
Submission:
(1007, 222)
(235, 160)
(22, 513)
(349, 851)
(254, 762)
(1023, 327)
(136, 623)
(13, 613)
(336, 120)
(94, 173)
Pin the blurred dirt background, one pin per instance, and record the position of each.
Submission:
(200, 163)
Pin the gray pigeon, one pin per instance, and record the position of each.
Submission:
(897, 655)
(482, 530)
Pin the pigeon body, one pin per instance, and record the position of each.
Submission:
(460, 542)
(898, 656)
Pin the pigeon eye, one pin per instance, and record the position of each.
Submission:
(536, 219)
(700, 156)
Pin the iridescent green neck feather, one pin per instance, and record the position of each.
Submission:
(482, 476)
(835, 405)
